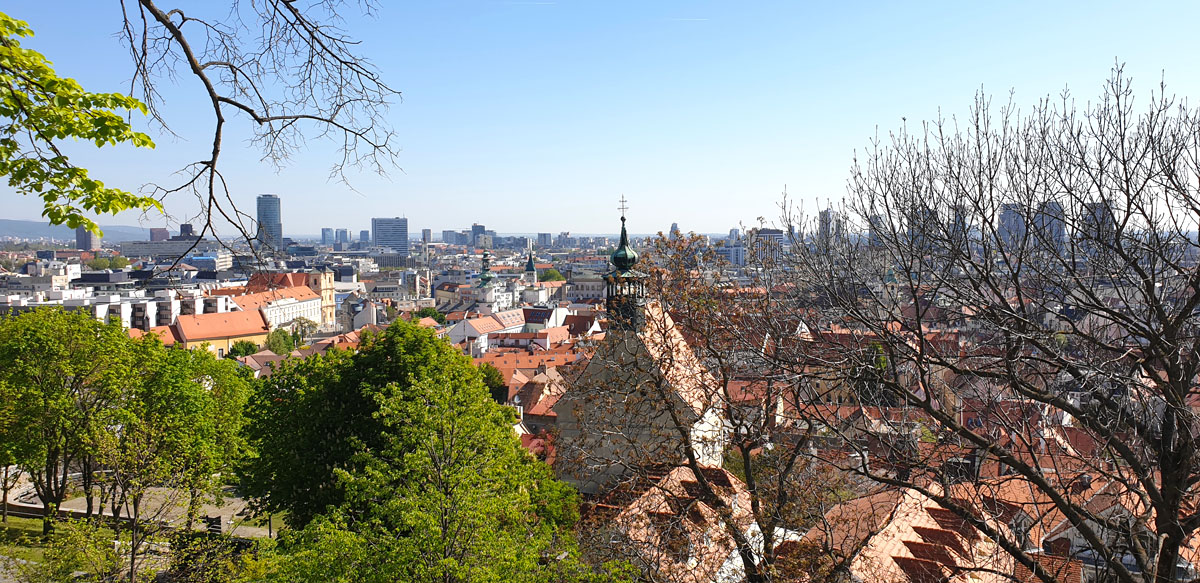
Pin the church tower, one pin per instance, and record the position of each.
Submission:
(530, 268)
(485, 275)
(625, 293)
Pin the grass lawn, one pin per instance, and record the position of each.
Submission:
(261, 521)
(21, 538)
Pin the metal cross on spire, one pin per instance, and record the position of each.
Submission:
(623, 207)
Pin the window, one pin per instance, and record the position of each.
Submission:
(220, 353)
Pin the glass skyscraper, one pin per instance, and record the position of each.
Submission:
(270, 227)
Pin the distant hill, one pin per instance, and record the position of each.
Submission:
(40, 230)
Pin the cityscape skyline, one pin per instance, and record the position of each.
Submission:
(721, 106)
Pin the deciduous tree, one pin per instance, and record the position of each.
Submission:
(38, 110)
(61, 372)
(1032, 281)
(417, 480)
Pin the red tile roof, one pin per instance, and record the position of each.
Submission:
(260, 282)
(201, 327)
(257, 301)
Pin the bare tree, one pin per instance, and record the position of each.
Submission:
(284, 66)
(680, 432)
(1025, 285)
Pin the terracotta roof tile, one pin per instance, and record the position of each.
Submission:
(201, 327)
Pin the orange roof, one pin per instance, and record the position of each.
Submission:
(260, 282)
(485, 324)
(200, 327)
(165, 333)
(236, 290)
(255, 302)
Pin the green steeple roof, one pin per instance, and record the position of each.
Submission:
(485, 278)
(624, 258)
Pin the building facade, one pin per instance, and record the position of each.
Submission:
(391, 233)
(270, 222)
(85, 239)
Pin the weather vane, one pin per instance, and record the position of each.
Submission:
(623, 208)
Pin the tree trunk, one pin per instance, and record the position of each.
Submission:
(193, 508)
(7, 487)
(86, 478)
(133, 539)
(48, 511)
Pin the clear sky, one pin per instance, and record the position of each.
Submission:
(537, 115)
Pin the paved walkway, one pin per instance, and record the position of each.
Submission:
(160, 505)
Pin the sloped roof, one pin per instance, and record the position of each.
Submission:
(165, 333)
(510, 318)
(675, 359)
(257, 301)
(485, 325)
(578, 325)
(260, 282)
(906, 536)
(666, 515)
(200, 327)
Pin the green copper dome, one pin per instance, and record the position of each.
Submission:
(624, 258)
(485, 277)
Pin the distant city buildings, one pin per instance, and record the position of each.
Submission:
(86, 240)
(830, 226)
(1012, 225)
(270, 223)
(391, 233)
(1050, 222)
(327, 236)
(159, 234)
(545, 240)
(364, 236)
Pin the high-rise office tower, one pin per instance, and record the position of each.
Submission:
(476, 230)
(326, 236)
(427, 236)
(1012, 226)
(391, 233)
(270, 223)
(85, 239)
(830, 226)
(545, 240)
(364, 236)
(342, 236)
(159, 234)
(1050, 221)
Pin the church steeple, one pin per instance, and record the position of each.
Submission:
(485, 277)
(530, 268)
(625, 293)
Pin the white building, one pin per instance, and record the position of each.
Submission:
(391, 233)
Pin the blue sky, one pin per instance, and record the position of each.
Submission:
(537, 115)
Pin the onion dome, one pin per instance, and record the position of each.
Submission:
(625, 257)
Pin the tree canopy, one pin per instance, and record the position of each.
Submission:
(552, 274)
(419, 476)
(431, 313)
(80, 395)
(38, 110)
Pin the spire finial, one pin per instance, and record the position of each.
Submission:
(624, 257)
